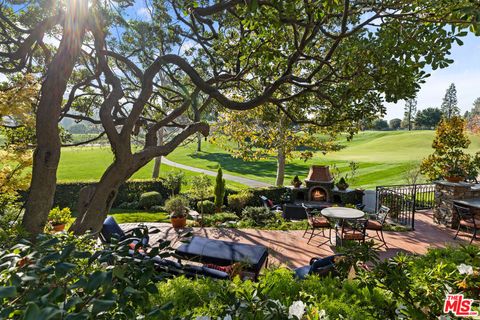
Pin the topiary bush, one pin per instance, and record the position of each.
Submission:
(208, 206)
(237, 202)
(177, 206)
(150, 199)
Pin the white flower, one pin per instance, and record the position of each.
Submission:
(322, 314)
(297, 309)
(449, 289)
(465, 269)
(227, 317)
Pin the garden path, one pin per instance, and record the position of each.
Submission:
(249, 182)
(291, 249)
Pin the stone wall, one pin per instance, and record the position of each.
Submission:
(445, 193)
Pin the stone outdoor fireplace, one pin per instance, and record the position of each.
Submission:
(320, 184)
(445, 193)
(317, 194)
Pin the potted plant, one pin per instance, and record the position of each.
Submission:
(454, 174)
(296, 182)
(342, 184)
(177, 207)
(59, 217)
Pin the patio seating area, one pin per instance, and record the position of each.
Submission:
(291, 249)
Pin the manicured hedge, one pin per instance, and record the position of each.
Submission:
(276, 194)
(66, 194)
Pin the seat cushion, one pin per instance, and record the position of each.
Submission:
(352, 235)
(319, 222)
(468, 224)
(110, 227)
(374, 225)
(302, 272)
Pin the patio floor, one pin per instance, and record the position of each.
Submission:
(291, 249)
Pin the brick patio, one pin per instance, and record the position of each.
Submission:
(291, 249)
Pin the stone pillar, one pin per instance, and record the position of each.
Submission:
(445, 193)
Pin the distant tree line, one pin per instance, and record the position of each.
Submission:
(428, 118)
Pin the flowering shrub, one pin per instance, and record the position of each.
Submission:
(420, 284)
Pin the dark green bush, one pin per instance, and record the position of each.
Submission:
(208, 206)
(276, 194)
(259, 215)
(150, 199)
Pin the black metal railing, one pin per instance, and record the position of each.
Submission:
(404, 200)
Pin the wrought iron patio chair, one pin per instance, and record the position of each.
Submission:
(316, 222)
(377, 223)
(353, 230)
(467, 220)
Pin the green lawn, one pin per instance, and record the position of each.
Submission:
(89, 163)
(383, 157)
(132, 216)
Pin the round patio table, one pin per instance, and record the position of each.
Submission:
(341, 213)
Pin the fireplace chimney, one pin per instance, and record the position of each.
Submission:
(319, 174)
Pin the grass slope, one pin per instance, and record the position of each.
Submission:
(383, 157)
(89, 163)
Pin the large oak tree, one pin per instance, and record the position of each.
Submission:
(347, 56)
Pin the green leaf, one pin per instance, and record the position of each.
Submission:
(62, 268)
(8, 292)
(102, 305)
(32, 312)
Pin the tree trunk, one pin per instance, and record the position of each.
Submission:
(158, 160)
(199, 142)
(102, 199)
(281, 153)
(47, 152)
(280, 167)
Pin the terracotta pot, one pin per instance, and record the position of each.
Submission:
(455, 179)
(179, 222)
(59, 227)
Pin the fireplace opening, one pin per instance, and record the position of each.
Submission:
(318, 194)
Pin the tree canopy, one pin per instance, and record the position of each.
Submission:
(428, 118)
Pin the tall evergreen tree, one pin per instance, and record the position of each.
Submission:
(219, 190)
(450, 104)
(410, 111)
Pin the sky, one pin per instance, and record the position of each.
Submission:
(464, 72)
